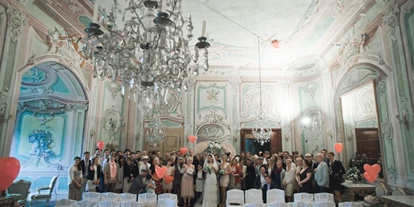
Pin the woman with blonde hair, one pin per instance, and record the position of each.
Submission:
(187, 186)
(289, 180)
(225, 170)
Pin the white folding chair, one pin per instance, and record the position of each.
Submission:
(166, 202)
(66, 203)
(277, 205)
(254, 205)
(91, 196)
(303, 197)
(86, 203)
(127, 197)
(235, 197)
(300, 204)
(109, 204)
(169, 196)
(323, 204)
(350, 204)
(148, 199)
(131, 204)
(110, 197)
(275, 196)
(323, 197)
(253, 196)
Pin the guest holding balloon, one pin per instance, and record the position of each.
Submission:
(187, 186)
(336, 171)
(75, 180)
(169, 176)
(155, 178)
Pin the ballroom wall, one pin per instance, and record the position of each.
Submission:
(225, 99)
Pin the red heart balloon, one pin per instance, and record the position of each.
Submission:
(372, 170)
(11, 168)
(160, 171)
(168, 179)
(100, 144)
(192, 138)
(369, 177)
(183, 150)
(338, 147)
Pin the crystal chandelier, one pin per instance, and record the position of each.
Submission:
(262, 131)
(151, 50)
(155, 134)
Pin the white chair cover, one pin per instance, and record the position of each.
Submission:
(235, 197)
(169, 196)
(131, 204)
(109, 204)
(303, 197)
(253, 196)
(350, 204)
(127, 197)
(277, 205)
(148, 199)
(86, 203)
(324, 197)
(300, 204)
(110, 197)
(254, 205)
(166, 202)
(66, 203)
(91, 196)
(323, 204)
(275, 196)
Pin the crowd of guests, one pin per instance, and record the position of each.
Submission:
(134, 172)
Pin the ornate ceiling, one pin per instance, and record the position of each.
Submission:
(307, 29)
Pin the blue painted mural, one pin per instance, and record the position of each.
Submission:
(50, 123)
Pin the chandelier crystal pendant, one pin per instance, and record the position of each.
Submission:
(155, 134)
(262, 131)
(151, 48)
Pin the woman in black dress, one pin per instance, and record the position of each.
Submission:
(305, 178)
(336, 171)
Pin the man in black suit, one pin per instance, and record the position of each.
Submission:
(268, 186)
(250, 174)
(85, 164)
(260, 179)
(139, 186)
(177, 176)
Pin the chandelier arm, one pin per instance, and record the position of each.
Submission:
(173, 7)
(139, 20)
(260, 76)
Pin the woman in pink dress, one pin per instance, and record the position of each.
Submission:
(187, 185)
(170, 172)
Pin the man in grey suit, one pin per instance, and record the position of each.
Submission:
(139, 186)
(321, 175)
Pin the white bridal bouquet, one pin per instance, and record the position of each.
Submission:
(208, 169)
(221, 172)
(353, 174)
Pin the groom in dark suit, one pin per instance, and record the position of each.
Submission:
(267, 186)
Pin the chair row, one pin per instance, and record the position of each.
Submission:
(86, 203)
(304, 204)
(238, 197)
(93, 196)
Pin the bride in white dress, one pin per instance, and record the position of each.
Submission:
(210, 184)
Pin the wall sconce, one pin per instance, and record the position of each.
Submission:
(403, 119)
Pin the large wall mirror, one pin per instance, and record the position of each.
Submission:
(360, 127)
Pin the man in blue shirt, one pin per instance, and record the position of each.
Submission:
(321, 175)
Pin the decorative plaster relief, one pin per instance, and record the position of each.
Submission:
(3, 106)
(251, 102)
(287, 132)
(48, 105)
(387, 131)
(41, 140)
(114, 88)
(315, 128)
(75, 8)
(16, 20)
(310, 88)
(212, 96)
(42, 119)
(235, 86)
(168, 105)
(391, 20)
(112, 123)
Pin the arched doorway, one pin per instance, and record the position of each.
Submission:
(50, 123)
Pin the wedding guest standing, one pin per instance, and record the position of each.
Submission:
(119, 187)
(224, 179)
(170, 172)
(178, 176)
(236, 174)
(84, 164)
(94, 176)
(155, 178)
(111, 174)
(289, 180)
(199, 181)
(336, 171)
(187, 187)
(75, 181)
(278, 174)
(321, 175)
(260, 179)
(130, 172)
(305, 178)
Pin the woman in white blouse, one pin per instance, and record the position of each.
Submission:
(75, 181)
(289, 180)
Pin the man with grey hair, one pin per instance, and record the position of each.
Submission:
(321, 175)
